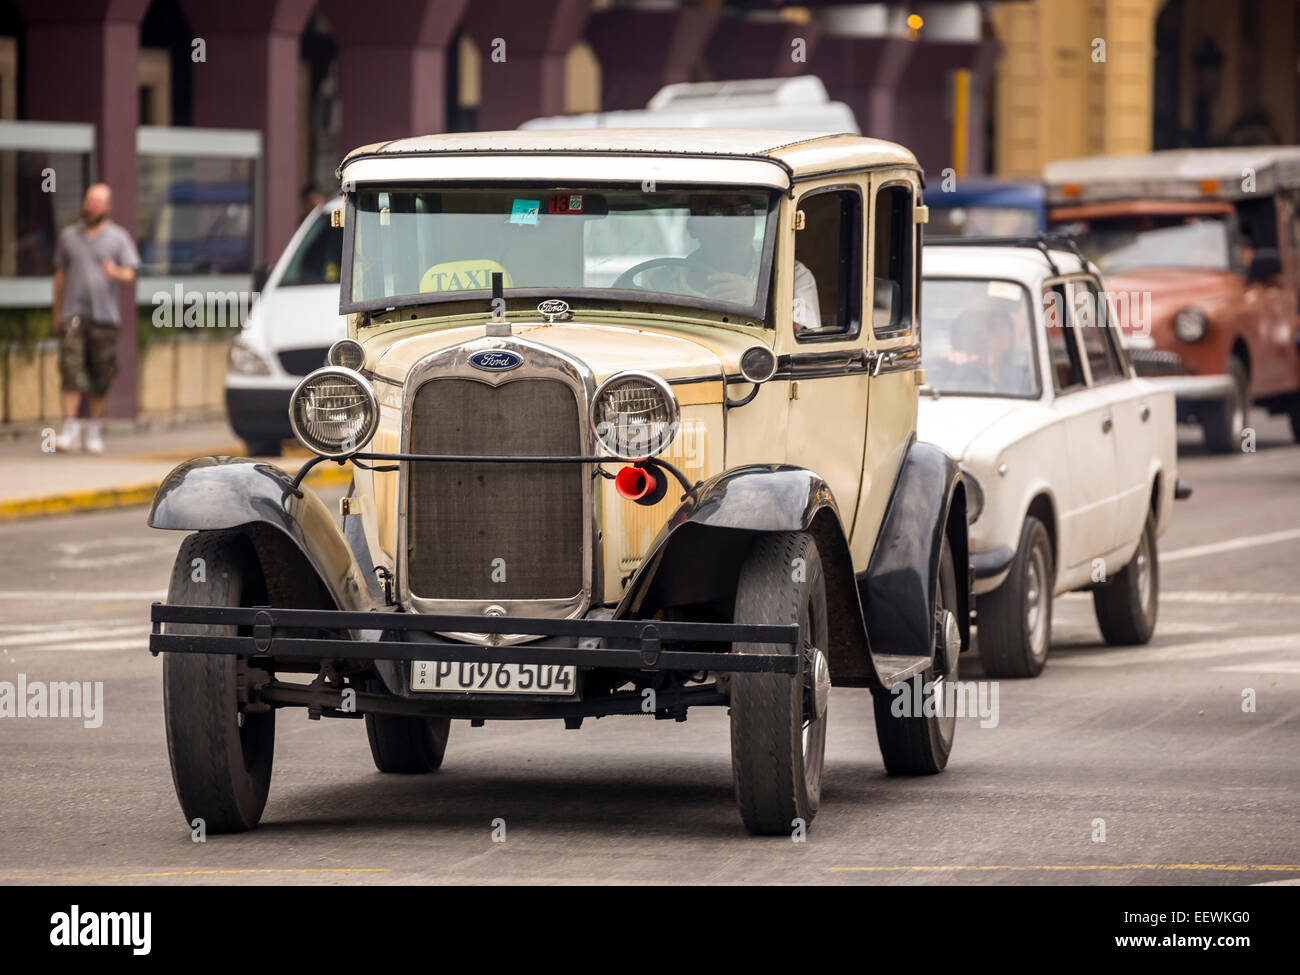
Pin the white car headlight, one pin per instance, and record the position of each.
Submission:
(333, 412)
(1190, 324)
(243, 361)
(635, 415)
(974, 497)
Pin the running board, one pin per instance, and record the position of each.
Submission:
(894, 668)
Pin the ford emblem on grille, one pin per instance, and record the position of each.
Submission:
(554, 308)
(496, 360)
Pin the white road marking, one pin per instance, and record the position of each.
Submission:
(121, 541)
(1264, 667)
(42, 627)
(139, 643)
(1177, 654)
(64, 635)
(64, 595)
(162, 557)
(1232, 598)
(1231, 545)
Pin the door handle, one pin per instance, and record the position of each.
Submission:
(1106, 423)
(1144, 411)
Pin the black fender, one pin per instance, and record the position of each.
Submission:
(694, 562)
(258, 499)
(898, 589)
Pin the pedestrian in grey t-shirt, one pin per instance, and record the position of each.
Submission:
(91, 259)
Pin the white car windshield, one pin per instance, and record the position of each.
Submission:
(1122, 243)
(977, 338)
(687, 246)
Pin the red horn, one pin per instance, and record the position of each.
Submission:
(634, 483)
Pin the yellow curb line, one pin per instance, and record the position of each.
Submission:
(128, 496)
(1285, 867)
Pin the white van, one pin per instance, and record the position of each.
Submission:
(287, 333)
(800, 103)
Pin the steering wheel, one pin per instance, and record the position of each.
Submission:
(626, 279)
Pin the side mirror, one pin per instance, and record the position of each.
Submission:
(260, 276)
(1266, 264)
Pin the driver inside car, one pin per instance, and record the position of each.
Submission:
(725, 263)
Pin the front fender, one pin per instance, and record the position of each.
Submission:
(224, 493)
(899, 586)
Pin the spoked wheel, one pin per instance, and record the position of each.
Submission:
(917, 744)
(1128, 605)
(221, 748)
(778, 721)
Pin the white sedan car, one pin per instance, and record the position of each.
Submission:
(1073, 454)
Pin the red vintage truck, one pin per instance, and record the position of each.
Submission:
(1201, 249)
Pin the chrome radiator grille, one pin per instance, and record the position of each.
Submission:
(495, 531)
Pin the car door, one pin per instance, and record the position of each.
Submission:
(1131, 437)
(1087, 501)
(824, 356)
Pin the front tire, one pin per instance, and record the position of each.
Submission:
(1128, 605)
(914, 744)
(778, 721)
(1015, 619)
(407, 745)
(220, 749)
(1225, 421)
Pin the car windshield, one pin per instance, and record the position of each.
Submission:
(682, 246)
(977, 338)
(318, 257)
(1122, 243)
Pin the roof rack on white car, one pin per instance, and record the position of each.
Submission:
(1044, 243)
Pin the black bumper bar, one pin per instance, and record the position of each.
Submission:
(632, 644)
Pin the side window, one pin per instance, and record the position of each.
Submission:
(1062, 350)
(828, 265)
(1092, 321)
(893, 270)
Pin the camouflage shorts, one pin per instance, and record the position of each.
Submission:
(87, 356)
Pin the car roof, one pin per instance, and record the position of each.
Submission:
(694, 152)
(1174, 174)
(1023, 264)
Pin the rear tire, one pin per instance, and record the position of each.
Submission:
(778, 743)
(914, 744)
(407, 745)
(1226, 420)
(1128, 605)
(220, 752)
(1015, 619)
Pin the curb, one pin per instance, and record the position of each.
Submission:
(132, 495)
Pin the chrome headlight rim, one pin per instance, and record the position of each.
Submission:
(337, 350)
(371, 404)
(1190, 324)
(767, 374)
(974, 496)
(670, 400)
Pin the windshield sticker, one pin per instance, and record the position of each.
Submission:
(565, 203)
(525, 211)
(1005, 290)
(471, 275)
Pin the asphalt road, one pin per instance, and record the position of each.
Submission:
(1153, 741)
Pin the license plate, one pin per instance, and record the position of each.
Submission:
(489, 678)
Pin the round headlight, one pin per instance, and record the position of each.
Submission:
(347, 353)
(333, 412)
(634, 415)
(1190, 324)
(758, 364)
(974, 497)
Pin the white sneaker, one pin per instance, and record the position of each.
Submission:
(94, 440)
(70, 439)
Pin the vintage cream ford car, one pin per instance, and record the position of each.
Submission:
(1070, 459)
(632, 421)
